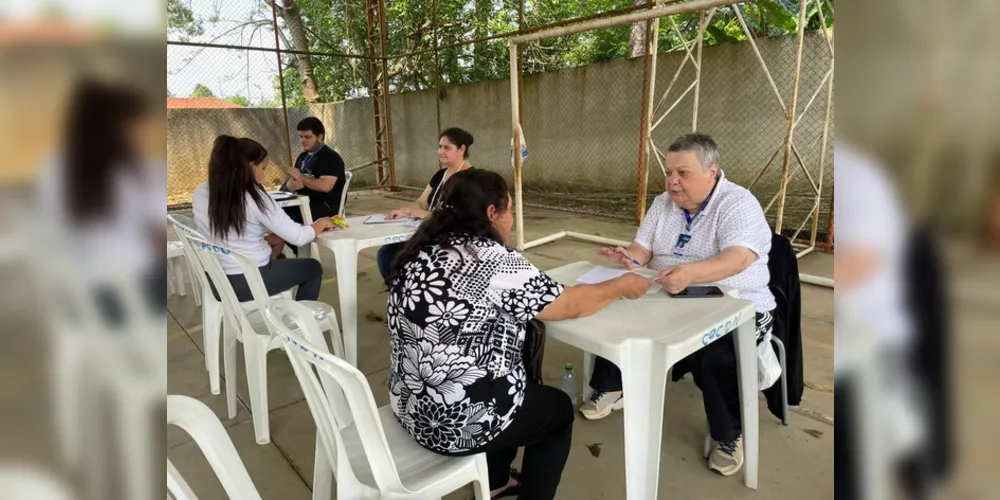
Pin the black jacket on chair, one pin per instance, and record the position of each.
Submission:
(787, 291)
(786, 288)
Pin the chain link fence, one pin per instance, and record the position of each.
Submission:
(581, 119)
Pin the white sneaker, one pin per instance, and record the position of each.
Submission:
(601, 404)
(727, 458)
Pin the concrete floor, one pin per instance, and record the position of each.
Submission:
(796, 461)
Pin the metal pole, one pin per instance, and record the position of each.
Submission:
(264, 49)
(386, 98)
(542, 27)
(520, 58)
(697, 75)
(822, 156)
(642, 15)
(437, 64)
(791, 120)
(515, 99)
(281, 82)
(648, 82)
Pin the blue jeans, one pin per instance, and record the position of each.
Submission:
(386, 256)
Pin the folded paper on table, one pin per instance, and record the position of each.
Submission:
(382, 219)
(600, 274)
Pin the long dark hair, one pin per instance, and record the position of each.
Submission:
(230, 181)
(464, 203)
(98, 147)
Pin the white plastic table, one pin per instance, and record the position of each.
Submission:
(645, 338)
(346, 243)
(302, 202)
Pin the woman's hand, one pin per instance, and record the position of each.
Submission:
(324, 224)
(617, 256)
(397, 214)
(632, 286)
(276, 243)
(419, 213)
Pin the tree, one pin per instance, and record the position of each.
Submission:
(238, 99)
(292, 16)
(181, 21)
(637, 37)
(413, 26)
(201, 91)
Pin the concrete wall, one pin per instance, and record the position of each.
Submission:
(581, 125)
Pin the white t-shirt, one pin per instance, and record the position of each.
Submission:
(869, 216)
(732, 217)
(251, 244)
(123, 235)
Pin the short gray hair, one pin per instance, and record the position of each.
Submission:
(703, 144)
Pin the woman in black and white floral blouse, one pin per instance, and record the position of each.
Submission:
(459, 304)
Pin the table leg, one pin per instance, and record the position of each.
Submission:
(644, 380)
(346, 256)
(310, 250)
(746, 364)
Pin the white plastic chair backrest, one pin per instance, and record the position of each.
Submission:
(184, 225)
(205, 429)
(209, 253)
(343, 196)
(343, 395)
(23, 481)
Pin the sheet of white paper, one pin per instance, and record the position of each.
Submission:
(380, 219)
(600, 274)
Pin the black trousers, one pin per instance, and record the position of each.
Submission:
(280, 275)
(714, 370)
(386, 256)
(319, 210)
(544, 427)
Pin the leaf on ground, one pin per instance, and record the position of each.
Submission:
(595, 449)
(371, 316)
(362, 274)
(819, 387)
(813, 432)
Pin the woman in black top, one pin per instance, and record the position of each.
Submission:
(453, 154)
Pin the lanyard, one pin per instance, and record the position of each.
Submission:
(309, 158)
(430, 204)
(691, 219)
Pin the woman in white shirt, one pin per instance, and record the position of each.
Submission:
(233, 208)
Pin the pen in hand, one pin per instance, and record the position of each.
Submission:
(629, 257)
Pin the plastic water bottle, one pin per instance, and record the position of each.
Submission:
(569, 383)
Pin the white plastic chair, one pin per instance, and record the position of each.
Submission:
(343, 196)
(92, 356)
(175, 271)
(249, 327)
(211, 312)
(363, 446)
(24, 481)
(202, 425)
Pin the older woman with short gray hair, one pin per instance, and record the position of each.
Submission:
(706, 230)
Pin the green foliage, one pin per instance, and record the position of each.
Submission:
(238, 99)
(201, 91)
(339, 26)
(181, 21)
